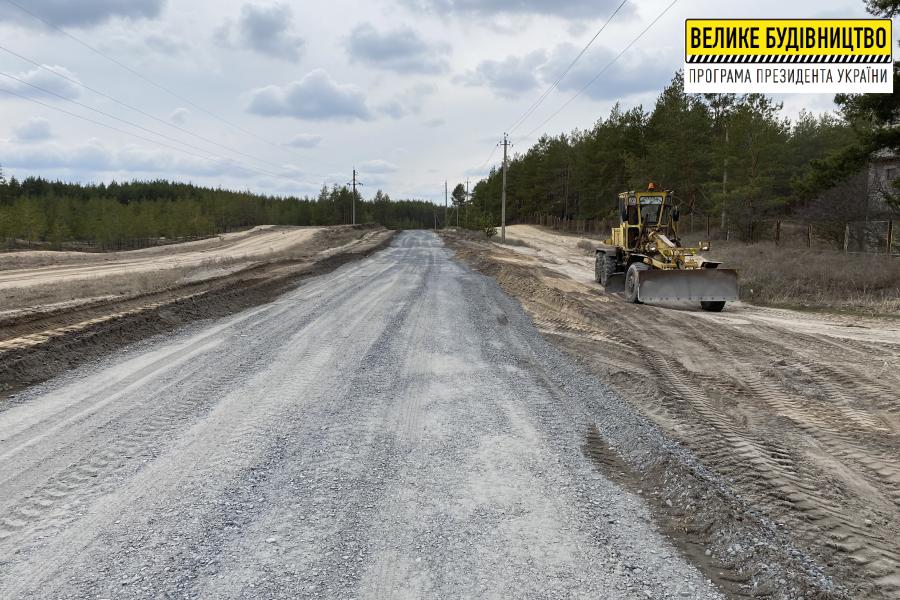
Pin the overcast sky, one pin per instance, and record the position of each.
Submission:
(279, 97)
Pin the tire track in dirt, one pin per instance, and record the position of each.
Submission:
(264, 328)
(58, 341)
(798, 422)
(153, 420)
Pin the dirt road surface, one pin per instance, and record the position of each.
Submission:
(394, 429)
(61, 280)
(43, 338)
(798, 412)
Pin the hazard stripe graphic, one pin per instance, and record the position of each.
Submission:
(808, 58)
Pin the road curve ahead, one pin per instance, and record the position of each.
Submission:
(394, 429)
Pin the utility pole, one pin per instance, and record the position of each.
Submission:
(725, 178)
(446, 214)
(467, 202)
(354, 183)
(503, 194)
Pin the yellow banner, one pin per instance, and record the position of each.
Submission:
(864, 39)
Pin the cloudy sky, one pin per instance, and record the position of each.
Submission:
(279, 96)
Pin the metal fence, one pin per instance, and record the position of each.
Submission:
(856, 237)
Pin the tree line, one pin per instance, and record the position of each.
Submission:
(111, 215)
(736, 158)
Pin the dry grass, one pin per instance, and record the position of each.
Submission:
(803, 278)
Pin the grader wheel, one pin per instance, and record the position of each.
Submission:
(632, 283)
(604, 268)
(712, 305)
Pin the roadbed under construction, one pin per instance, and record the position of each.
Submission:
(790, 421)
(180, 284)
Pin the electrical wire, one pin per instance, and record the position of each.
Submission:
(146, 139)
(135, 109)
(602, 71)
(493, 152)
(141, 76)
(530, 110)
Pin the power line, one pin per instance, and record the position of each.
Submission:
(119, 119)
(528, 112)
(493, 152)
(140, 137)
(135, 109)
(602, 71)
(102, 113)
(139, 75)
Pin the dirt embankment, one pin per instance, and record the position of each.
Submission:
(795, 415)
(98, 305)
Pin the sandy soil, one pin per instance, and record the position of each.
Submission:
(800, 412)
(96, 315)
(42, 278)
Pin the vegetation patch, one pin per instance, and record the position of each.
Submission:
(803, 278)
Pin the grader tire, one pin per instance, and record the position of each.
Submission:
(712, 305)
(604, 268)
(631, 282)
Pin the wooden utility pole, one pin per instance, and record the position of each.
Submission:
(446, 218)
(890, 238)
(503, 194)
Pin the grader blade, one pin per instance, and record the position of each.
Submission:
(696, 284)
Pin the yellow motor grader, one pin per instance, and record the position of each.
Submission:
(645, 254)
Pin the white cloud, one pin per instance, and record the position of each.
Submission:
(305, 140)
(96, 157)
(634, 73)
(30, 81)
(516, 75)
(408, 102)
(83, 13)
(265, 29)
(400, 50)
(509, 77)
(568, 9)
(165, 44)
(179, 116)
(36, 129)
(377, 167)
(316, 97)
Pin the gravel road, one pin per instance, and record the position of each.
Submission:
(394, 429)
